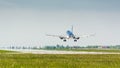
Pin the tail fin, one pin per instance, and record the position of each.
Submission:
(72, 29)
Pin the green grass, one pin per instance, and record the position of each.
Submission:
(6, 51)
(59, 61)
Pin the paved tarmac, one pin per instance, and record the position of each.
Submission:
(60, 52)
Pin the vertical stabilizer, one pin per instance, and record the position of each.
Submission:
(72, 29)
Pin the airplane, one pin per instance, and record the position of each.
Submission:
(70, 35)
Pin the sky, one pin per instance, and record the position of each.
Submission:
(26, 22)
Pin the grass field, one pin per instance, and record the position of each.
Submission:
(59, 61)
(5, 51)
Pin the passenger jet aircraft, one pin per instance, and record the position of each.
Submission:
(70, 35)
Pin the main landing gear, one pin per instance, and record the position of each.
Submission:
(75, 40)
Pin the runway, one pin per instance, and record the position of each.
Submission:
(60, 52)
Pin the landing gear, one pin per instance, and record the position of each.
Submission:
(61, 37)
(75, 40)
(64, 40)
(78, 38)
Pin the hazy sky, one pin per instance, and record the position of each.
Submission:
(25, 22)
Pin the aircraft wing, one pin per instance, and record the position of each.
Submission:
(83, 36)
(60, 36)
